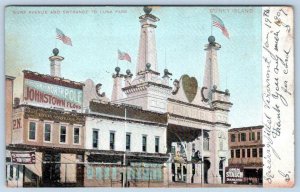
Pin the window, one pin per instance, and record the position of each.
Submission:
(239, 138)
(112, 141)
(254, 152)
(63, 134)
(232, 137)
(232, 153)
(248, 153)
(243, 153)
(237, 153)
(156, 144)
(47, 132)
(32, 130)
(11, 171)
(243, 136)
(253, 136)
(249, 136)
(258, 135)
(221, 145)
(206, 141)
(128, 138)
(18, 171)
(144, 142)
(95, 138)
(260, 152)
(76, 135)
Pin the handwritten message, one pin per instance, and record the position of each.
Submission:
(278, 96)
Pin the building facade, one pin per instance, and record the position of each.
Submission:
(125, 144)
(246, 155)
(150, 133)
(49, 134)
(197, 115)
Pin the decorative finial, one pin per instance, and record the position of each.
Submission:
(55, 51)
(211, 39)
(167, 73)
(227, 92)
(147, 9)
(148, 65)
(214, 88)
(117, 69)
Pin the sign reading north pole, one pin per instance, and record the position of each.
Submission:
(47, 91)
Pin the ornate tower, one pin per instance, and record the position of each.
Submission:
(211, 74)
(55, 62)
(147, 47)
(220, 104)
(147, 89)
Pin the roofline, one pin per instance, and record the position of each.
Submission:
(10, 77)
(245, 128)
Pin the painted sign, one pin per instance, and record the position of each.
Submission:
(234, 174)
(17, 123)
(23, 157)
(51, 95)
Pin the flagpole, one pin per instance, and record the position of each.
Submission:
(211, 25)
(118, 59)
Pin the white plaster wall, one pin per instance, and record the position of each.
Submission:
(137, 130)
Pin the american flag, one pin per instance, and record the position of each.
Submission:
(61, 36)
(217, 22)
(124, 56)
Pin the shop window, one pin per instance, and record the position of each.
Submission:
(63, 134)
(232, 136)
(95, 138)
(128, 141)
(47, 132)
(156, 144)
(258, 136)
(112, 141)
(237, 153)
(232, 153)
(254, 152)
(253, 136)
(76, 135)
(243, 136)
(260, 152)
(32, 130)
(248, 153)
(144, 142)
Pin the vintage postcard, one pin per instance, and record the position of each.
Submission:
(149, 96)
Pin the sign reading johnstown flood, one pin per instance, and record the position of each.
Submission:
(52, 95)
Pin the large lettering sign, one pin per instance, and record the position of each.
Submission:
(51, 95)
(234, 174)
(23, 157)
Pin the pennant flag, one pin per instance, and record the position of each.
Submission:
(123, 56)
(217, 22)
(61, 36)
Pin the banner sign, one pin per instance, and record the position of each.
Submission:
(23, 157)
(234, 174)
(50, 95)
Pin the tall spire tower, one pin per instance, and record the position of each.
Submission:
(147, 90)
(211, 74)
(147, 47)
